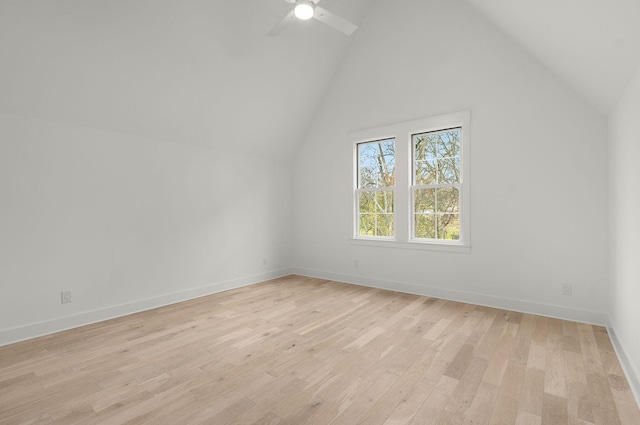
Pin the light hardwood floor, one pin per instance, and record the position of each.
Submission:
(307, 351)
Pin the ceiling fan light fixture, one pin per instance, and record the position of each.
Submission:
(303, 10)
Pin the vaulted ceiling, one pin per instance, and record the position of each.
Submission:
(593, 45)
(204, 72)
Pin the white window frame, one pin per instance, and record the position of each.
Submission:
(403, 134)
(414, 186)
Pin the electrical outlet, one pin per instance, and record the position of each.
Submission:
(356, 264)
(65, 297)
(567, 289)
(264, 261)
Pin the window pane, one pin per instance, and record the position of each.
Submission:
(448, 200)
(384, 201)
(367, 225)
(385, 225)
(436, 157)
(377, 225)
(367, 202)
(425, 200)
(376, 202)
(425, 226)
(436, 213)
(376, 164)
(376, 213)
(426, 171)
(448, 143)
(448, 226)
(448, 170)
(425, 146)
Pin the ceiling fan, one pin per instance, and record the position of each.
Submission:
(307, 9)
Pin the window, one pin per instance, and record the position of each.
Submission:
(376, 181)
(411, 185)
(436, 184)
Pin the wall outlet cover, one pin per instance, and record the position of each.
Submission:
(65, 297)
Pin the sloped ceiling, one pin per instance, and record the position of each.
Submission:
(204, 72)
(593, 45)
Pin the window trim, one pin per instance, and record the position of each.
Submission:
(403, 133)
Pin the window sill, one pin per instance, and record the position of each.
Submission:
(420, 246)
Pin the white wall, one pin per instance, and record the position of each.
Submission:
(624, 137)
(127, 223)
(538, 165)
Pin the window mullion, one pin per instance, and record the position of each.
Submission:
(403, 182)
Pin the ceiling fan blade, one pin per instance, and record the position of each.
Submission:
(282, 24)
(334, 21)
(292, 1)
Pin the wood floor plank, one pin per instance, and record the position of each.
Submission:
(571, 337)
(520, 351)
(505, 409)
(498, 362)
(554, 410)
(460, 363)
(532, 392)
(365, 402)
(433, 406)
(604, 408)
(579, 405)
(554, 377)
(467, 387)
(400, 391)
(481, 408)
(620, 388)
(411, 402)
(628, 412)
(525, 418)
(299, 350)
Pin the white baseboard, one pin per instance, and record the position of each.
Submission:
(630, 370)
(558, 312)
(33, 330)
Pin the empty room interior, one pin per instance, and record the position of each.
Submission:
(378, 213)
